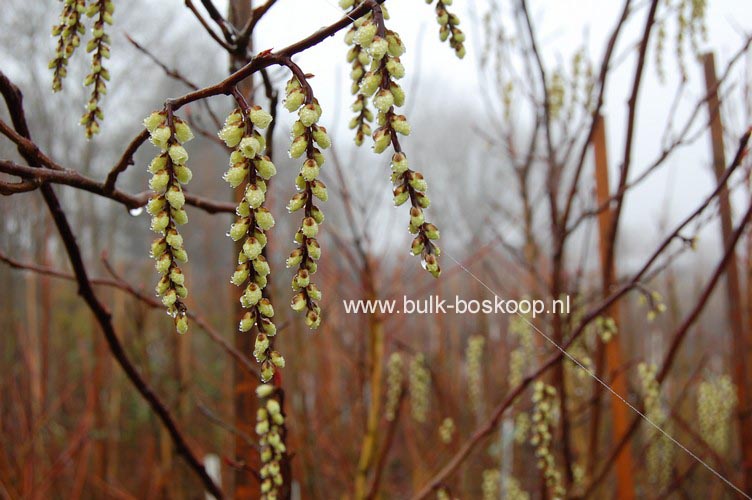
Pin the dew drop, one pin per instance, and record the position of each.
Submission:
(423, 264)
(135, 212)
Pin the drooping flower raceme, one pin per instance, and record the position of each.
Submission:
(249, 170)
(660, 453)
(448, 27)
(385, 48)
(491, 484)
(99, 47)
(544, 418)
(446, 430)
(394, 379)
(68, 32)
(169, 174)
(716, 400)
(474, 360)
(360, 59)
(270, 427)
(307, 137)
(420, 388)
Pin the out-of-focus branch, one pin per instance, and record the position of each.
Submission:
(48, 271)
(213, 334)
(175, 75)
(631, 123)
(216, 419)
(228, 30)
(258, 13)
(602, 79)
(224, 44)
(171, 72)
(557, 233)
(681, 139)
(381, 460)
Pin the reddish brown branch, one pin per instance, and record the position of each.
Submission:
(125, 161)
(631, 122)
(268, 58)
(72, 178)
(9, 188)
(224, 44)
(256, 16)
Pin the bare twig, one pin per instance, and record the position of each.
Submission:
(60, 175)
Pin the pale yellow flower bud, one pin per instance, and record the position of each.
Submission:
(178, 154)
(260, 117)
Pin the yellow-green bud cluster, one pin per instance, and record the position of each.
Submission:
(579, 351)
(513, 490)
(249, 170)
(474, 366)
(660, 453)
(580, 83)
(649, 387)
(448, 30)
(491, 485)
(606, 328)
(660, 48)
(410, 185)
(691, 24)
(307, 137)
(446, 430)
(522, 355)
(360, 59)
(521, 427)
(556, 94)
(543, 420)
(419, 387)
(394, 379)
(99, 47)
(68, 32)
(442, 494)
(655, 304)
(716, 400)
(166, 206)
(270, 427)
(384, 47)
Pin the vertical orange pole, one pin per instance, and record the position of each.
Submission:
(613, 357)
(738, 342)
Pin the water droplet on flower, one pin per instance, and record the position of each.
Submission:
(135, 212)
(423, 264)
